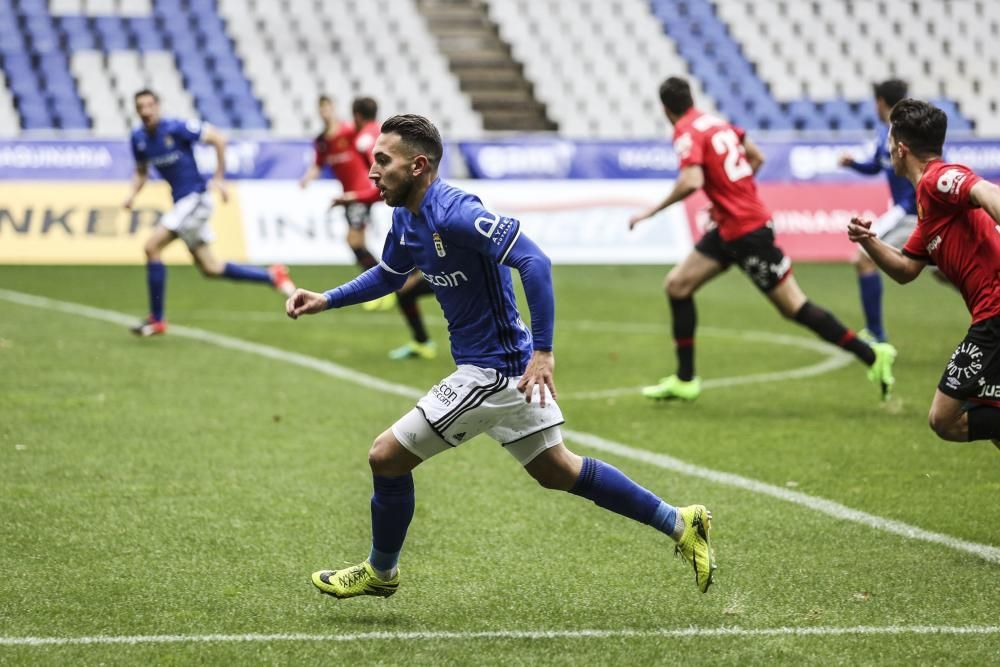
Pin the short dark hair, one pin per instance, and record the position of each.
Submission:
(325, 99)
(919, 125)
(143, 93)
(418, 133)
(366, 107)
(891, 90)
(675, 93)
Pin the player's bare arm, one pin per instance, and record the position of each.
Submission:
(304, 302)
(312, 173)
(689, 180)
(755, 156)
(217, 140)
(986, 195)
(139, 179)
(891, 260)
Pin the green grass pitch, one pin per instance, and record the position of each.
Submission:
(170, 486)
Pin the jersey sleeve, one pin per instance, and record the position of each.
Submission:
(915, 246)
(471, 225)
(953, 185)
(689, 149)
(188, 131)
(395, 257)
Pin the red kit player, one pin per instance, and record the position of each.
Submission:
(957, 230)
(719, 158)
(346, 147)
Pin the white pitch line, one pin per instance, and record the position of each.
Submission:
(835, 359)
(828, 507)
(827, 631)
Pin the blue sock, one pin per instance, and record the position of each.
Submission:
(609, 488)
(246, 272)
(392, 510)
(156, 279)
(871, 302)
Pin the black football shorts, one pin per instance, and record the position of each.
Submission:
(973, 372)
(755, 253)
(358, 215)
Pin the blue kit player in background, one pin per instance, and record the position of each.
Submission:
(168, 145)
(895, 225)
(504, 383)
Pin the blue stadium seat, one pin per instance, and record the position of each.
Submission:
(253, 121)
(72, 120)
(32, 7)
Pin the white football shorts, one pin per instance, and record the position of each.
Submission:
(475, 400)
(189, 219)
(895, 226)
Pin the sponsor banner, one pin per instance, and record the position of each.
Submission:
(810, 220)
(84, 223)
(580, 222)
(98, 160)
(93, 160)
(787, 160)
(284, 223)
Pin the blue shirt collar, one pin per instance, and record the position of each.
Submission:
(430, 196)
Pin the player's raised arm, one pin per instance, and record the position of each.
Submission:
(213, 137)
(139, 179)
(986, 195)
(755, 156)
(385, 277)
(312, 173)
(689, 180)
(870, 166)
(374, 283)
(899, 265)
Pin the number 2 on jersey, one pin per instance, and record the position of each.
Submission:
(725, 142)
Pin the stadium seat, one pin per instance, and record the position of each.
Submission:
(834, 51)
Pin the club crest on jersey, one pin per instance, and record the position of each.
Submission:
(438, 244)
(168, 141)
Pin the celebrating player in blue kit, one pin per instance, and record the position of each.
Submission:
(168, 145)
(504, 383)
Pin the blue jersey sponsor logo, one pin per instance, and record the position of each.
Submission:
(170, 149)
(459, 246)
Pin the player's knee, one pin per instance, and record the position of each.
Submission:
(554, 478)
(152, 252)
(945, 426)
(211, 269)
(380, 456)
(676, 287)
(556, 468)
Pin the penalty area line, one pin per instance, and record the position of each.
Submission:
(823, 506)
(679, 633)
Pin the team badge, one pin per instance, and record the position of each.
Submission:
(168, 141)
(920, 211)
(438, 244)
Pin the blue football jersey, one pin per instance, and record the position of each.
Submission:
(460, 246)
(170, 148)
(903, 194)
